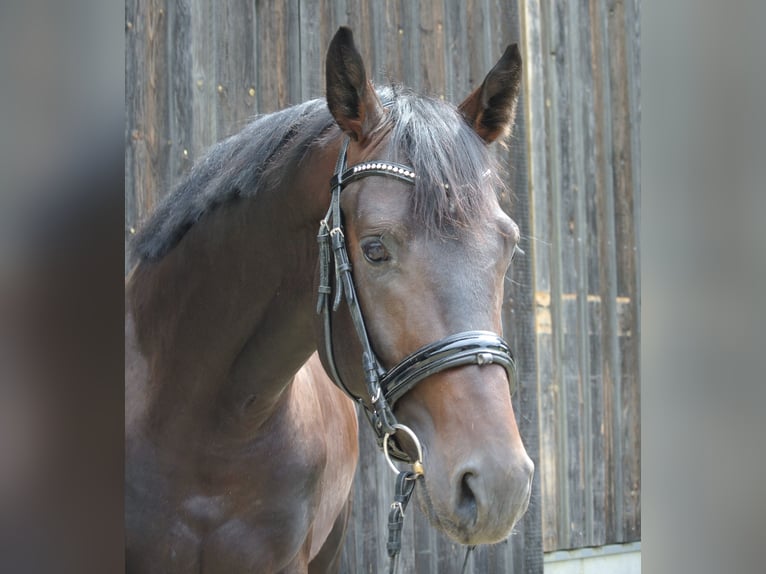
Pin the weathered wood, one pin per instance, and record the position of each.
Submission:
(519, 325)
(632, 369)
(201, 46)
(272, 65)
(181, 142)
(134, 159)
(589, 215)
(313, 28)
(431, 40)
(235, 50)
(456, 52)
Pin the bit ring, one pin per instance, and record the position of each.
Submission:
(417, 466)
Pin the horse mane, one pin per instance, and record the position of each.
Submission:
(451, 162)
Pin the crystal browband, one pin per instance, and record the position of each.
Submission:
(399, 171)
(392, 167)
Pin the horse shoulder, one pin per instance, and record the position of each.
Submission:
(337, 425)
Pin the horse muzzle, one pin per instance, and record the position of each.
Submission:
(480, 502)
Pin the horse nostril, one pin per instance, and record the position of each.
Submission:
(466, 503)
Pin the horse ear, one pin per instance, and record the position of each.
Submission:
(490, 109)
(350, 96)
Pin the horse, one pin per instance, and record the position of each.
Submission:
(243, 368)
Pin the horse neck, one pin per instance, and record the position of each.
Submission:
(226, 319)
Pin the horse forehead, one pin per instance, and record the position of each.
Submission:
(384, 204)
(381, 198)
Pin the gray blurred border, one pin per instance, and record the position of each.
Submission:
(704, 269)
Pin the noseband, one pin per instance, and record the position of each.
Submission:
(386, 387)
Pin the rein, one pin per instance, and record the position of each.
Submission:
(385, 387)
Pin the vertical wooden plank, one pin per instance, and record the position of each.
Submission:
(484, 47)
(474, 24)
(203, 56)
(424, 542)
(607, 280)
(330, 20)
(566, 191)
(253, 91)
(598, 422)
(378, 45)
(340, 10)
(147, 111)
(392, 35)
(235, 64)
(579, 80)
(358, 19)
(553, 53)
(633, 71)
(432, 50)
(534, 85)
(272, 73)
(549, 408)
(631, 422)
(181, 138)
(632, 403)
(619, 105)
(455, 52)
(363, 544)
(626, 277)
(534, 110)
(135, 160)
(313, 26)
(292, 40)
(410, 33)
(526, 543)
(576, 484)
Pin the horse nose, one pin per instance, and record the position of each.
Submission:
(490, 499)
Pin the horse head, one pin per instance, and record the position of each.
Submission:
(428, 252)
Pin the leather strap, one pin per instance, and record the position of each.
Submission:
(331, 237)
(466, 348)
(405, 485)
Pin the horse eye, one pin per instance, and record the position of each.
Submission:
(374, 251)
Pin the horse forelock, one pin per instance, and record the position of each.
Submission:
(456, 173)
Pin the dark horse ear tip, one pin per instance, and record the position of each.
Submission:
(342, 48)
(512, 55)
(344, 35)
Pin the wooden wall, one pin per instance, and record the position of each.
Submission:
(583, 116)
(196, 71)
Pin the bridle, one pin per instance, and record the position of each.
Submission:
(385, 387)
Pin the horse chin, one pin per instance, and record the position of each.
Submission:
(466, 532)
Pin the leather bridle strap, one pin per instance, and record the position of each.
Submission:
(466, 348)
(331, 237)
